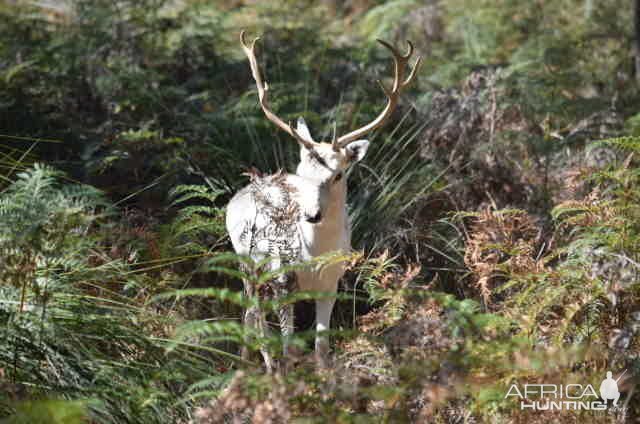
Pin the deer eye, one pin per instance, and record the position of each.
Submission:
(338, 177)
(318, 158)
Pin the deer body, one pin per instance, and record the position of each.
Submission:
(294, 218)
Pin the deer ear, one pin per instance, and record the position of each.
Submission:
(356, 150)
(303, 130)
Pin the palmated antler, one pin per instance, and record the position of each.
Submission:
(400, 63)
(263, 91)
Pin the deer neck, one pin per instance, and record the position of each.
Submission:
(336, 210)
(331, 234)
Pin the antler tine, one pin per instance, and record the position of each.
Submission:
(412, 74)
(400, 62)
(263, 90)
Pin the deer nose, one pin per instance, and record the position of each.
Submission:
(314, 219)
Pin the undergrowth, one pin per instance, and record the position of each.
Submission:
(495, 221)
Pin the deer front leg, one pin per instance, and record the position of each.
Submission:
(255, 320)
(264, 333)
(285, 315)
(286, 283)
(324, 307)
(250, 323)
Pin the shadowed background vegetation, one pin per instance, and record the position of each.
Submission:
(496, 218)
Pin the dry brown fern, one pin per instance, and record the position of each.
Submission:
(501, 243)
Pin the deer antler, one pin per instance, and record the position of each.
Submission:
(400, 63)
(263, 90)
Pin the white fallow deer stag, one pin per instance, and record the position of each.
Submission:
(294, 218)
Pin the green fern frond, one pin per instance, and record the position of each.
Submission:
(628, 143)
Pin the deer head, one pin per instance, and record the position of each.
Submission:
(326, 162)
